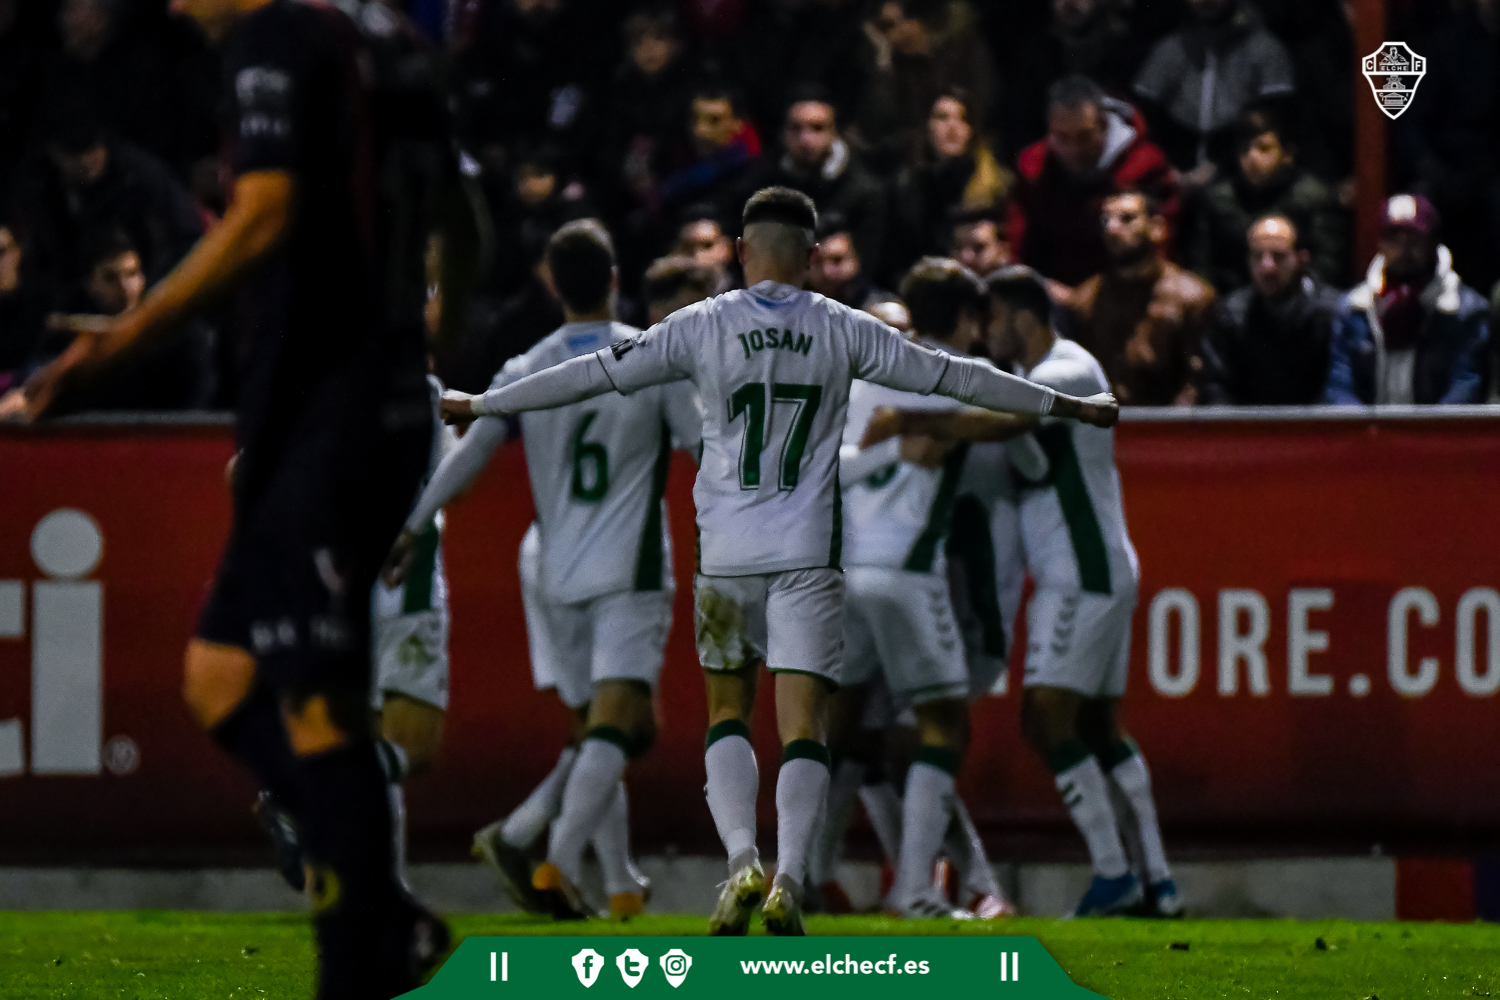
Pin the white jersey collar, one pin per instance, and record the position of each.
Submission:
(773, 292)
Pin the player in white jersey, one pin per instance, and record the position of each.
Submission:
(598, 472)
(1078, 623)
(409, 650)
(670, 284)
(773, 365)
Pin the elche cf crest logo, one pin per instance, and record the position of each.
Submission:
(1394, 71)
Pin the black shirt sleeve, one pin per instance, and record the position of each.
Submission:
(268, 93)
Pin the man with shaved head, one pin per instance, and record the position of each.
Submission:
(773, 365)
(1267, 344)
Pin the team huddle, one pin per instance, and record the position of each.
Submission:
(866, 519)
(819, 560)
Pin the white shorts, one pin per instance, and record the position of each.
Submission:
(1079, 641)
(538, 641)
(901, 623)
(409, 632)
(794, 620)
(619, 636)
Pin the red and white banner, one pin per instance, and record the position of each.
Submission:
(1316, 651)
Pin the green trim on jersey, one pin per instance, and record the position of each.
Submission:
(1066, 475)
(971, 543)
(939, 516)
(836, 542)
(416, 592)
(649, 573)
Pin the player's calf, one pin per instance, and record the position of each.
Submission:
(1049, 720)
(413, 732)
(619, 729)
(347, 828)
(927, 806)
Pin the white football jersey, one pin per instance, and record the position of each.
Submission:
(1073, 521)
(773, 365)
(598, 473)
(987, 563)
(899, 515)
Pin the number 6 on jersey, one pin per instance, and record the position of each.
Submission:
(750, 399)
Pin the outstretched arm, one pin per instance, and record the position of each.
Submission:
(255, 223)
(572, 381)
(883, 357)
(455, 474)
(980, 384)
(961, 425)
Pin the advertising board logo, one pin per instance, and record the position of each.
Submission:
(588, 963)
(66, 629)
(1394, 71)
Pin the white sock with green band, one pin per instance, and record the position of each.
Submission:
(1086, 795)
(1134, 780)
(733, 783)
(927, 808)
(801, 804)
(589, 793)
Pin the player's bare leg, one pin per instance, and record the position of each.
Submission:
(927, 806)
(416, 729)
(244, 718)
(620, 726)
(348, 836)
(1049, 720)
(1130, 781)
(732, 786)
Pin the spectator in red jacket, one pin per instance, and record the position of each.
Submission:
(1096, 146)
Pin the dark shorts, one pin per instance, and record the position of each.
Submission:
(293, 587)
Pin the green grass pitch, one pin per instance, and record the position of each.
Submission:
(191, 956)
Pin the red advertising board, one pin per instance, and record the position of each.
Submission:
(1316, 652)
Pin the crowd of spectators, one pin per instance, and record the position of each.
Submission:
(1180, 172)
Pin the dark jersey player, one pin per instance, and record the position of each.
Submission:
(334, 432)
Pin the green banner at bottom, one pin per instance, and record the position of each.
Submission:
(751, 968)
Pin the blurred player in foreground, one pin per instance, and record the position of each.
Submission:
(409, 664)
(334, 432)
(1078, 621)
(604, 573)
(773, 365)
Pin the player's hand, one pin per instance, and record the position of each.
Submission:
(928, 452)
(457, 407)
(98, 338)
(229, 467)
(399, 560)
(1100, 410)
(884, 424)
